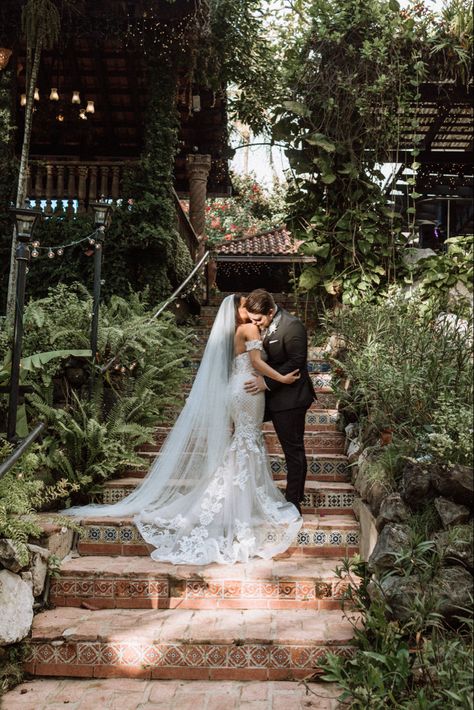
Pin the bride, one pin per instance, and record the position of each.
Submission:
(209, 495)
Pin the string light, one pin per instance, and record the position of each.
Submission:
(52, 250)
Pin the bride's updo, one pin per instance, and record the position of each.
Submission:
(239, 303)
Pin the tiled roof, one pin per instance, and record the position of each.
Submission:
(274, 242)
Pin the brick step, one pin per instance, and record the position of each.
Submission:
(316, 442)
(321, 498)
(260, 644)
(142, 583)
(321, 467)
(326, 536)
(175, 694)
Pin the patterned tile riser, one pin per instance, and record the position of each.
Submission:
(127, 534)
(190, 593)
(313, 501)
(95, 658)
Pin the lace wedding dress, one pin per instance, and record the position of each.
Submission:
(240, 513)
(209, 495)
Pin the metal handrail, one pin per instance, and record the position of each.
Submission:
(160, 310)
(21, 448)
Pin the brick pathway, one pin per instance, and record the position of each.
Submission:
(128, 694)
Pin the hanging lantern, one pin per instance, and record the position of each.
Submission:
(76, 97)
(23, 100)
(90, 108)
(5, 55)
(36, 95)
(54, 96)
(82, 114)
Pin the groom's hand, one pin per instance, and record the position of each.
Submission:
(256, 385)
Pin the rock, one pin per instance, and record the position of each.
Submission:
(451, 513)
(352, 431)
(9, 556)
(455, 482)
(392, 510)
(38, 567)
(393, 540)
(336, 346)
(412, 255)
(377, 491)
(353, 450)
(399, 593)
(16, 608)
(459, 293)
(455, 546)
(453, 587)
(416, 486)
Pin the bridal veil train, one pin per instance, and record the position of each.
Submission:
(209, 495)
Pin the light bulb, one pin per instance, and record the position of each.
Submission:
(90, 108)
(50, 254)
(23, 100)
(60, 117)
(54, 96)
(35, 253)
(82, 114)
(76, 97)
(36, 95)
(60, 251)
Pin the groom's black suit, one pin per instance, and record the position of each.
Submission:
(286, 405)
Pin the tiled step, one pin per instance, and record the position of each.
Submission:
(322, 498)
(136, 694)
(321, 467)
(142, 583)
(326, 536)
(260, 644)
(316, 442)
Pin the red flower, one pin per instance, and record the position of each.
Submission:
(228, 237)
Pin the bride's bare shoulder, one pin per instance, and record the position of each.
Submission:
(249, 331)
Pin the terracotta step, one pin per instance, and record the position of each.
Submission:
(142, 583)
(260, 644)
(326, 536)
(322, 498)
(134, 694)
(322, 442)
(321, 467)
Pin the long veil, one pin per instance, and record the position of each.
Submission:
(196, 444)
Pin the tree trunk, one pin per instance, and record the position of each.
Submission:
(23, 174)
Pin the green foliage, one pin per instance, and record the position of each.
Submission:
(417, 664)
(22, 494)
(11, 666)
(401, 358)
(352, 72)
(442, 272)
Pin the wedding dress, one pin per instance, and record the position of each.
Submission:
(210, 496)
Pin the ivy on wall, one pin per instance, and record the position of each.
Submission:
(8, 168)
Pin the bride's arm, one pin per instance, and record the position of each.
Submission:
(253, 345)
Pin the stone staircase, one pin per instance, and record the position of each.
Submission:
(117, 613)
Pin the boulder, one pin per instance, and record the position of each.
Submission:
(455, 482)
(10, 557)
(16, 608)
(352, 431)
(453, 587)
(399, 593)
(393, 540)
(416, 488)
(451, 513)
(455, 547)
(413, 255)
(39, 567)
(392, 510)
(353, 450)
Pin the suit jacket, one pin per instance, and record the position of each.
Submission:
(287, 350)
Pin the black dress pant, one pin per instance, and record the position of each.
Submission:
(289, 426)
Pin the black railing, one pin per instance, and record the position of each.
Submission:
(21, 449)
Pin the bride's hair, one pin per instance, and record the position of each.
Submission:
(237, 299)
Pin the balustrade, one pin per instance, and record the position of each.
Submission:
(86, 182)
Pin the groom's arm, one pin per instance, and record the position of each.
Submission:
(296, 346)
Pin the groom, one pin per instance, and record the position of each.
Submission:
(284, 341)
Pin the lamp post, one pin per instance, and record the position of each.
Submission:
(26, 220)
(102, 213)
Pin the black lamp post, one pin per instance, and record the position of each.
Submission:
(102, 214)
(26, 220)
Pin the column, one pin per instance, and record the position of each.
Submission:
(49, 188)
(198, 167)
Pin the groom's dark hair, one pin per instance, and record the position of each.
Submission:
(260, 301)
